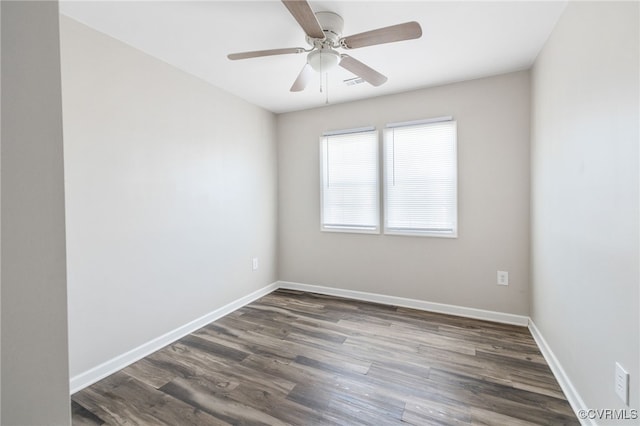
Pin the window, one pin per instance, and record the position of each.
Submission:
(349, 180)
(420, 178)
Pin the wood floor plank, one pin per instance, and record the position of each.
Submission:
(291, 372)
(421, 412)
(323, 353)
(306, 359)
(123, 400)
(482, 417)
(213, 366)
(528, 406)
(186, 362)
(250, 342)
(150, 373)
(353, 411)
(210, 347)
(84, 417)
(353, 394)
(220, 406)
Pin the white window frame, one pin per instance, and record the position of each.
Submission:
(322, 162)
(418, 232)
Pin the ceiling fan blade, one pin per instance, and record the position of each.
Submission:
(303, 13)
(258, 53)
(400, 32)
(303, 79)
(363, 71)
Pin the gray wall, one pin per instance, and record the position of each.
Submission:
(0, 215)
(493, 198)
(585, 197)
(35, 379)
(171, 190)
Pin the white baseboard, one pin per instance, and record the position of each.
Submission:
(569, 390)
(107, 368)
(442, 308)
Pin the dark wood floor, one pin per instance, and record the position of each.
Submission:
(306, 359)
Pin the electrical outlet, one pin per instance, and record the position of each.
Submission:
(255, 263)
(622, 384)
(503, 278)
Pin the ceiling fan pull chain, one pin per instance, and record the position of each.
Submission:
(327, 88)
(321, 74)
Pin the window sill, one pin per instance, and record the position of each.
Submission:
(436, 234)
(346, 230)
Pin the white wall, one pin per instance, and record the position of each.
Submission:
(493, 193)
(0, 217)
(585, 197)
(35, 380)
(171, 190)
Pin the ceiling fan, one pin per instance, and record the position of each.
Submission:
(324, 35)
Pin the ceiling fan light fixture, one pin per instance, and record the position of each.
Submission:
(323, 60)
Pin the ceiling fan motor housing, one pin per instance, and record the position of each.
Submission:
(324, 58)
(332, 25)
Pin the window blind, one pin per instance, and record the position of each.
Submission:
(421, 178)
(349, 179)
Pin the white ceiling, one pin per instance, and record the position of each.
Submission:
(460, 41)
